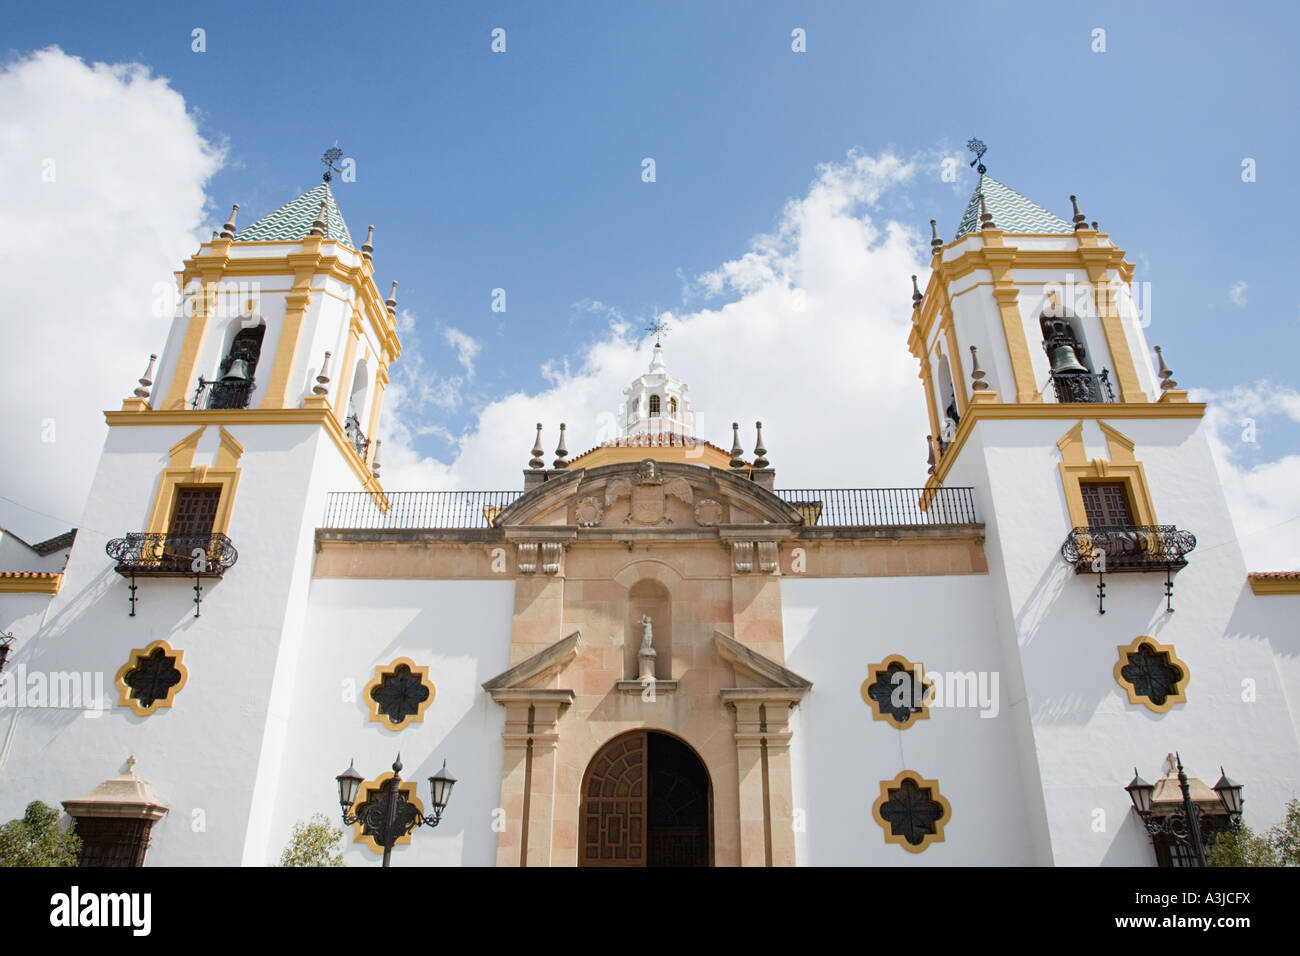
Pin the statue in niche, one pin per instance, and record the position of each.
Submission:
(646, 656)
(647, 636)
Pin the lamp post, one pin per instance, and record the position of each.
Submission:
(1184, 824)
(392, 816)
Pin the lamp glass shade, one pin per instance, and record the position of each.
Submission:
(440, 785)
(1141, 793)
(349, 785)
(1229, 793)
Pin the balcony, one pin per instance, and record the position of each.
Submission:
(162, 555)
(172, 555)
(1128, 548)
(352, 428)
(223, 393)
(1077, 387)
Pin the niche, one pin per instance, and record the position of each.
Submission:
(648, 598)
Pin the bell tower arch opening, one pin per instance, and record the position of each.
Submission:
(646, 800)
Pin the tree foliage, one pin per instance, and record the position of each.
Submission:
(38, 840)
(314, 843)
(1280, 846)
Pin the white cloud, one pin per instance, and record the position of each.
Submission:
(466, 348)
(833, 382)
(1263, 496)
(1238, 294)
(81, 257)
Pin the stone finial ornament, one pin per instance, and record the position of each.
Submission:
(986, 219)
(374, 462)
(391, 302)
(323, 379)
(931, 459)
(536, 461)
(561, 453)
(1094, 226)
(1080, 221)
(368, 247)
(146, 379)
(318, 227)
(935, 242)
(228, 230)
(737, 453)
(977, 374)
(760, 461)
(916, 294)
(1166, 377)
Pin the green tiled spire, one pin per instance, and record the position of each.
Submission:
(293, 220)
(1011, 211)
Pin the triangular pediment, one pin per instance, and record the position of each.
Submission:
(758, 669)
(649, 495)
(535, 672)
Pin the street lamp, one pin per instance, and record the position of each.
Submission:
(391, 815)
(1185, 823)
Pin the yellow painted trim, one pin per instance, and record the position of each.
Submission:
(1180, 687)
(1123, 467)
(1261, 584)
(347, 371)
(979, 411)
(376, 403)
(407, 787)
(124, 698)
(1098, 264)
(182, 472)
(295, 310)
(874, 673)
(955, 368)
(36, 585)
(263, 416)
(380, 670)
(931, 402)
(935, 795)
(187, 360)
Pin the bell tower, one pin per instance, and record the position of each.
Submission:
(199, 534)
(1093, 476)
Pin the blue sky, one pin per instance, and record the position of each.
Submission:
(522, 170)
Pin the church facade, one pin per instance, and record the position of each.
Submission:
(653, 653)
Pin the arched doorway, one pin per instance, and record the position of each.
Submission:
(646, 801)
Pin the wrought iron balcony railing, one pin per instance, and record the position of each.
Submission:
(1076, 387)
(352, 428)
(1128, 548)
(820, 507)
(172, 555)
(232, 393)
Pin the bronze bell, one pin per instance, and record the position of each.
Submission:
(238, 371)
(1064, 360)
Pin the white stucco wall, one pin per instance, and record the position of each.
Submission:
(835, 629)
(461, 631)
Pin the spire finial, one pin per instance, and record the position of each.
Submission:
(374, 462)
(368, 247)
(130, 764)
(737, 453)
(332, 156)
(228, 230)
(658, 328)
(935, 242)
(759, 451)
(536, 461)
(561, 452)
(146, 379)
(323, 378)
(1080, 220)
(1094, 226)
(1166, 377)
(977, 374)
(916, 294)
(391, 302)
(977, 147)
(318, 227)
(986, 220)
